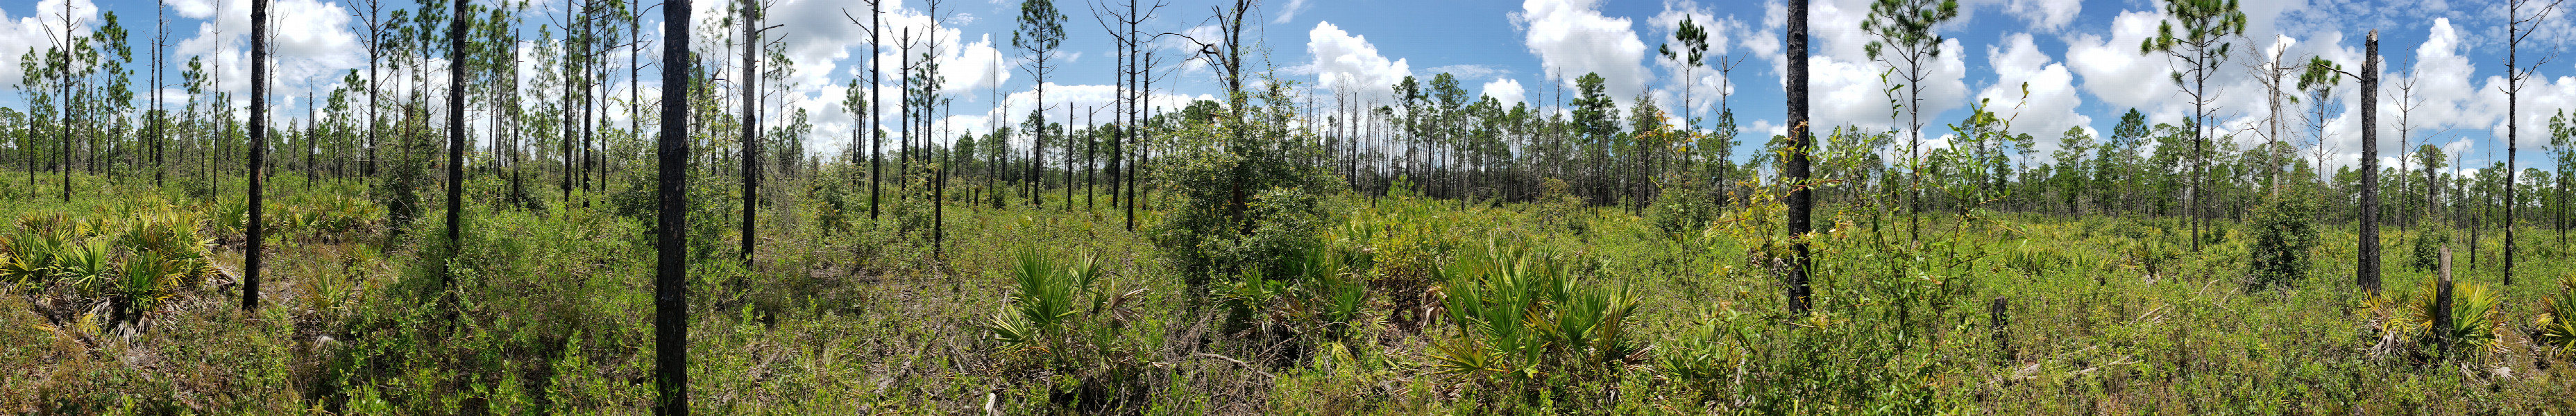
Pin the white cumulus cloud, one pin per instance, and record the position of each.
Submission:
(1572, 38)
(1347, 62)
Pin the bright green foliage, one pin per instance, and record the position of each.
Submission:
(1047, 298)
(1242, 207)
(1526, 321)
(1684, 207)
(1596, 114)
(2284, 234)
(1907, 26)
(1319, 300)
(137, 259)
(84, 265)
(1981, 157)
(1064, 325)
(2558, 325)
(2427, 250)
(2476, 319)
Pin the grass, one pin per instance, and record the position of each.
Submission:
(547, 312)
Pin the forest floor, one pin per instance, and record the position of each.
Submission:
(548, 311)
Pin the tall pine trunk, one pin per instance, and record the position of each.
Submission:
(2366, 271)
(258, 148)
(670, 273)
(455, 126)
(750, 124)
(1801, 200)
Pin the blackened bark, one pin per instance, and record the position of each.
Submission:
(876, 98)
(750, 124)
(2366, 272)
(455, 125)
(258, 149)
(670, 275)
(1801, 199)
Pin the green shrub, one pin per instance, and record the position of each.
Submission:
(2405, 324)
(1038, 312)
(84, 265)
(2428, 248)
(1063, 327)
(1247, 196)
(32, 251)
(1683, 207)
(1557, 208)
(2284, 232)
(2557, 326)
(1319, 299)
(1399, 245)
(1527, 325)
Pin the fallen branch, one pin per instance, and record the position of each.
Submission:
(1240, 363)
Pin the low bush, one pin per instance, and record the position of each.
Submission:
(2556, 326)
(2405, 326)
(1529, 331)
(2284, 233)
(1064, 326)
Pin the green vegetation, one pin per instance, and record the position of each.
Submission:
(1257, 253)
(1400, 305)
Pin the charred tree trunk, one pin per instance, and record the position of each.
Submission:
(258, 150)
(2366, 271)
(670, 274)
(1801, 199)
(455, 126)
(750, 124)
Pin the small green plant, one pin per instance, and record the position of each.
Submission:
(2405, 324)
(2557, 325)
(30, 263)
(1319, 299)
(146, 281)
(1557, 208)
(1525, 321)
(1045, 301)
(1063, 326)
(1683, 208)
(1716, 350)
(85, 265)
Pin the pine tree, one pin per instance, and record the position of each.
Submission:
(258, 147)
(1040, 32)
(2520, 28)
(1801, 199)
(670, 275)
(1907, 43)
(456, 124)
(2200, 43)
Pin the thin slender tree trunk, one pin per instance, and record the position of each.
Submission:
(1801, 200)
(1068, 156)
(455, 126)
(258, 139)
(876, 95)
(750, 125)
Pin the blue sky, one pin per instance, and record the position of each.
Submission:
(2077, 57)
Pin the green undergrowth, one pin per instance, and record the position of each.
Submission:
(1393, 305)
